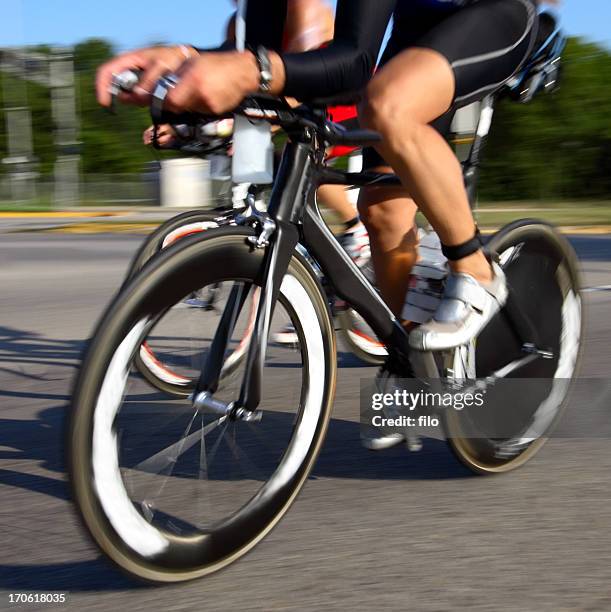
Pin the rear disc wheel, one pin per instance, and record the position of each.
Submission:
(542, 272)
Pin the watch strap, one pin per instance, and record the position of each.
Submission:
(265, 69)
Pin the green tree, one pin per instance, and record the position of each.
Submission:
(558, 145)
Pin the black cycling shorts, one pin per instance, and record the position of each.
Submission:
(486, 43)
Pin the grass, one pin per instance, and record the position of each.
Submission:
(32, 206)
(493, 215)
(567, 214)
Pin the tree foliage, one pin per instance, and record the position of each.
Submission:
(557, 147)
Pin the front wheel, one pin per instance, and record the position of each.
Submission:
(543, 274)
(360, 338)
(168, 492)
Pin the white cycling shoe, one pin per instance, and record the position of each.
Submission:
(355, 242)
(375, 438)
(466, 307)
(377, 441)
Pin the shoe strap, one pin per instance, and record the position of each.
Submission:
(463, 288)
(460, 251)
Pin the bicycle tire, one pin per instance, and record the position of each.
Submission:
(365, 347)
(154, 370)
(564, 328)
(153, 241)
(168, 277)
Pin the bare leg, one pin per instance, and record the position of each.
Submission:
(335, 198)
(389, 215)
(411, 91)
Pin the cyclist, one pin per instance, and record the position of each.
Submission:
(442, 54)
(309, 25)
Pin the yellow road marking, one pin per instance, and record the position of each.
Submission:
(58, 215)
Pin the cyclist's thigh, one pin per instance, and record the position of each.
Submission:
(407, 30)
(485, 43)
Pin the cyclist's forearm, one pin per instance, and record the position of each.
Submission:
(345, 65)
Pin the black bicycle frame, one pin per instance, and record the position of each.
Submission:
(294, 211)
(294, 214)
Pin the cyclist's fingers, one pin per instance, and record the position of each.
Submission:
(155, 71)
(165, 139)
(147, 136)
(165, 135)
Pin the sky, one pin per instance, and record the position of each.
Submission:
(133, 23)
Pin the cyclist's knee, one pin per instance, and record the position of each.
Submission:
(377, 110)
(389, 114)
(385, 216)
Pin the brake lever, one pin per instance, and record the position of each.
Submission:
(122, 82)
(163, 87)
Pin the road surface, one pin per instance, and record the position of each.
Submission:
(387, 531)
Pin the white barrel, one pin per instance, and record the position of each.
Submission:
(185, 183)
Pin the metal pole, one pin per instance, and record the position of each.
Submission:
(18, 129)
(67, 176)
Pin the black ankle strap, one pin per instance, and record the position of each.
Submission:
(460, 251)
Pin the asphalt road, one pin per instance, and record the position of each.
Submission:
(388, 531)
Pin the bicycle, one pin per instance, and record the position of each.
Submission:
(161, 368)
(199, 483)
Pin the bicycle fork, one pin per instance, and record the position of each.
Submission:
(278, 235)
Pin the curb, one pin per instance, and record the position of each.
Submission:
(100, 227)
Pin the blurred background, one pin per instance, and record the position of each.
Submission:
(60, 150)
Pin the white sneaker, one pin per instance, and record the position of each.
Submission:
(355, 242)
(466, 307)
(374, 438)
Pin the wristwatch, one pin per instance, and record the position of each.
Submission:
(265, 69)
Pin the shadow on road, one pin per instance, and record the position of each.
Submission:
(21, 349)
(41, 441)
(36, 441)
(78, 576)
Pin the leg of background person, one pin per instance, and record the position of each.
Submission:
(406, 95)
(389, 216)
(335, 197)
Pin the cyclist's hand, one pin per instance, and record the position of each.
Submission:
(154, 62)
(165, 136)
(214, 83)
